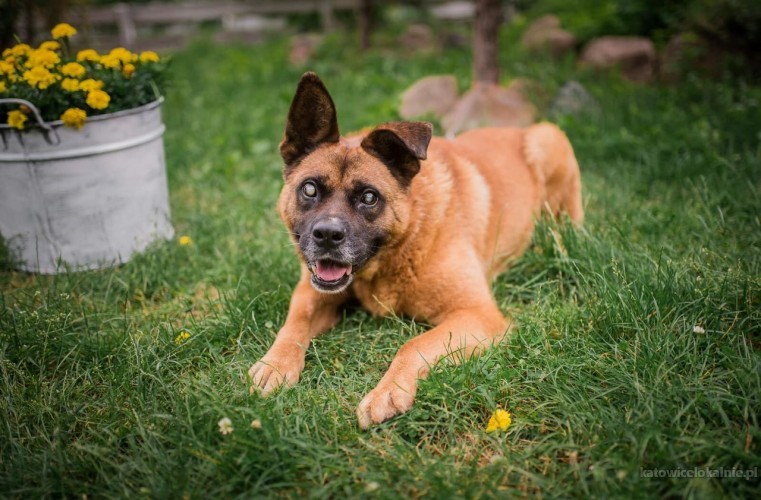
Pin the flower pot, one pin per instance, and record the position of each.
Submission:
(84, 199)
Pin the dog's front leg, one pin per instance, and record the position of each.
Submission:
(460, 334)
(309, 314)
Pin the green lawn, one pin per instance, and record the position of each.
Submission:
(604, 376)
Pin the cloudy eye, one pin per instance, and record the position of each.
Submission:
(369, 198)
(309, 189)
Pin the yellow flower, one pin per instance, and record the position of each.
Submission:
(6, 68)
(74, 117)
(185, 240)
(128, 69)
(181, 338)
(73, 69)
(500, 420)
(70, 84)
(63, 30)
(90, 84)
(98, 99)
(42, 57)
(16, 119)
(50, 45)
(3, 88)
(123, 55)
(87, 55)
(21, 49)
(39, 77)
(149, 56)
(110, 61)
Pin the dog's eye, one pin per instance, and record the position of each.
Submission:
(309, 189)
(369, 198)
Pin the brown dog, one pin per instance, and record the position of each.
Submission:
(411, 228)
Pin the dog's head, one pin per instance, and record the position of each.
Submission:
(344, 200)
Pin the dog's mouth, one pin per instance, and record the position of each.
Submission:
(330, 275)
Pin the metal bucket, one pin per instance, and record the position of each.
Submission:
(83, 199)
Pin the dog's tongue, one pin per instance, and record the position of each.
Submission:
(328, 270)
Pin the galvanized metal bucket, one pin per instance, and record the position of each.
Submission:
(83, 199)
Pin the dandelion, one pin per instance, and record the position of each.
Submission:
(256, 424)
(98, 99)
(63, 30)
(16, 119)
(39, 77)
(185, 240)
(225, 426)
(500, 420)
(182, 337)
(73, 69)
(698, 329)
(90, 84)
(149, 56)
(70, 84)
(74, 117)
(88, 55)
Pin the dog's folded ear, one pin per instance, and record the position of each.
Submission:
(400, 146)
(311, 121)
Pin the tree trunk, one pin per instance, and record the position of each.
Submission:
(365, 23)
(485, 41)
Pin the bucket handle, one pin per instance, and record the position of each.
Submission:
(49, 130)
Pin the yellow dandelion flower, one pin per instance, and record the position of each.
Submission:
(3, 88)
(123, 55)
(90, 84)
(88, 55)
(39, 77)
(70, 84)
(98, 99)
(182, 337)
(128, 69)
(42, 57)
(50, 45)
(185, 240)
(63, 30)
(149, 56)
(74, 117)
(73, 69)
(500, 420)
(16, 119)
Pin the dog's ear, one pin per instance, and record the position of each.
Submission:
(311, 120)
(400, 146)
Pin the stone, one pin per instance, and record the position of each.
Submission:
(434, 95)
(634, 56)
(489, 105)
(546, 35)
(573, 99)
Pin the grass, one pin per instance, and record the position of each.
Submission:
(604, 376)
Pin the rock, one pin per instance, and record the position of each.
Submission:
(431, 95)
(418, 38)
(634, 56)
(489, 105)
(546, 35)
(572, 99)
(688, 52)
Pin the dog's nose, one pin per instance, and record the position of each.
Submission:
(329, 233)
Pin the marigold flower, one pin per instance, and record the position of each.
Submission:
(63, 30)
(181, 338)
(123, 55)
(90, 84)
(74, 117)
(500, 420)
(42, 57)
(98, 99)
(225, 426)
(50, 45)
(3, 88)
(70, 84)
(18, 50)
(110, 61)
(16, 119)
(185, 240)
(39, 77)
(73, 69)
(128, 69)
(88, 55)
(6, 68)
(149, 56)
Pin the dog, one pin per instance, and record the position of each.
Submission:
(408, 224)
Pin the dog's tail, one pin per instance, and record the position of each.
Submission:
(550, 155)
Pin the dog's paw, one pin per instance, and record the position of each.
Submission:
(271, 372)
(386, 401)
